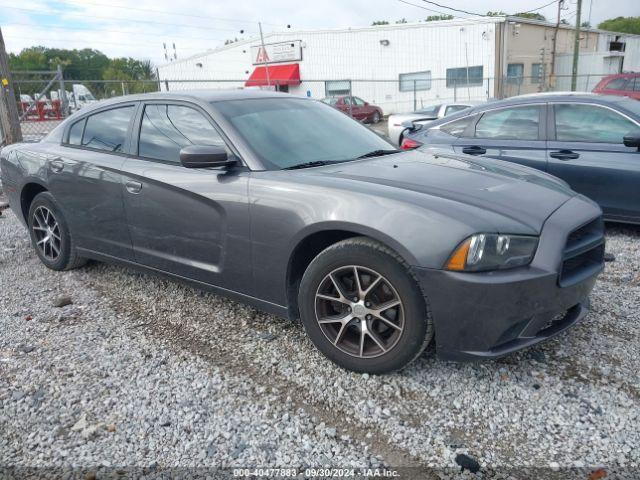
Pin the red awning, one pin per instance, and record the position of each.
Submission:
(278, 75)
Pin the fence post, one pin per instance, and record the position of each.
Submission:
(455, 89)
(63, 93)
(166, 84)
(415, 105)
(9, 119)
(350, 100)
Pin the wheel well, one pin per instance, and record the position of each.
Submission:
(27, 195)
(304, 253)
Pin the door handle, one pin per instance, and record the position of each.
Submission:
(474, 150)
(564, 155)
(56, 165)
(133, 187)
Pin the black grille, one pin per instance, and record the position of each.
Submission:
(583, 254)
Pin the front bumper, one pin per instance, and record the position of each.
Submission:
(491, 314)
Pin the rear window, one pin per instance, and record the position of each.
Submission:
(617, 84)
(457, 127)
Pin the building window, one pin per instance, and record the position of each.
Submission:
(461, 77)
(515, 71)
(335, 88)
(537, 73)
(408, 82)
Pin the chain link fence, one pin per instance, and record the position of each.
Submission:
(46, 98)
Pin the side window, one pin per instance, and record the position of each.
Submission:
(453, 109)
(457, 127)
(616, 84)
(75, 132)
(165, 129)
(358, 101)
(346, 101)
(636, 87)
(520, 123)
(107, 130)
(590, 123)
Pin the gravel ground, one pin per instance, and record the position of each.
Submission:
(141, 371)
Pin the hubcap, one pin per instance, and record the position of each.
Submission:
(359, 311)
(47, 233)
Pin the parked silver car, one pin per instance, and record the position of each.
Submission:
(422, 116)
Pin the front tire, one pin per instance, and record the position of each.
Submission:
(50, 234)
(375, 118)
(362, 307)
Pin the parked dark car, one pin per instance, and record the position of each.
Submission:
(590, 141)
(622, 84)
(288, 205)
(355, 107)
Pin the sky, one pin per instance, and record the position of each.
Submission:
(140, 28)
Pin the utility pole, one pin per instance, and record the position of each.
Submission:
(576, 48)
(9, 119)
(264, 52)
(552, 79)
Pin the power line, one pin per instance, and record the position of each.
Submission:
(57, 27)
(66, 41)
(429, 9)
(172, 13)
(480, 14)
(120, 19)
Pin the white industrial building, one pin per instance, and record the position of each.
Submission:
(400, 66)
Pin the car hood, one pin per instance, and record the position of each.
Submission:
(519, 193)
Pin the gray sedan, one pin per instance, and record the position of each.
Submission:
(590, 141)
(289, 205)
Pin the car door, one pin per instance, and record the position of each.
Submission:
(364, 111)
(192, 222)
(514, 134)
(586, 150)
(85, 177)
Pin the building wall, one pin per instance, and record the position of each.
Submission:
(532, 43)
(358, 55)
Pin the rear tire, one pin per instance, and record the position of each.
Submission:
(376, 322)
(50, 234)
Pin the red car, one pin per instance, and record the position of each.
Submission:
(356, 107)
(623, 84)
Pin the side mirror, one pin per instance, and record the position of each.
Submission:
(205, 156)
(632, 140)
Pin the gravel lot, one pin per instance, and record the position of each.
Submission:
(141, 371)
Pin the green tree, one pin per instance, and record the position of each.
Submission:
(380, 22)
(402, 20)
(496, 14)
(622, 24)
(532, 16)
(435, 18)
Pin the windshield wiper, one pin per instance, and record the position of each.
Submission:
(315, 163)
(378, 153)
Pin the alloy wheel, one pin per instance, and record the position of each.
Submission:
(359, 311)
(47, 233)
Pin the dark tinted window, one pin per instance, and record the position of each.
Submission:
(107, 130)
(283, 132)
(166, 129)
(75, 133)
(590, 123)
(519, 123)
(457, 127)
(617, 84)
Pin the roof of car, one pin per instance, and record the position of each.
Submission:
(551, 97)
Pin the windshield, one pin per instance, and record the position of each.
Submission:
(432, 110)
(284, 132)
(631, 105)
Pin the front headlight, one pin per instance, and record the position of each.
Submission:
(492, 251)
